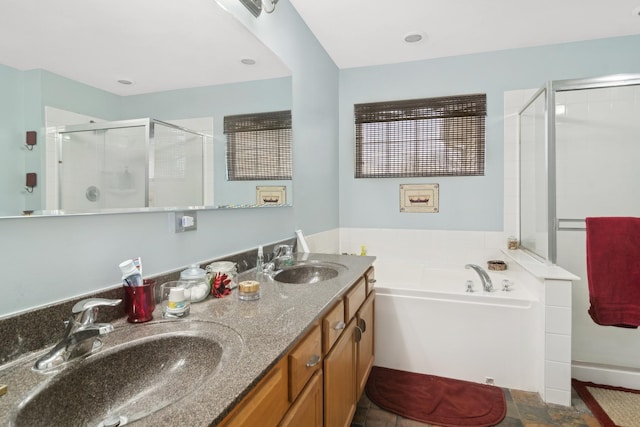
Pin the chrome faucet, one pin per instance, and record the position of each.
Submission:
(282, 255)
(81, 335)
(484, 277)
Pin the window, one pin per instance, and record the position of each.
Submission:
(421, 137)
(258, 146)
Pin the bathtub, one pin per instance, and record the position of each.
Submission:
(427, 323)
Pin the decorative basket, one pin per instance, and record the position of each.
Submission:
(496, 265)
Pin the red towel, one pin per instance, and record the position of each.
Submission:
(613, 270)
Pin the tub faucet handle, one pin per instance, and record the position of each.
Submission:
(506, 285)
(469, 286)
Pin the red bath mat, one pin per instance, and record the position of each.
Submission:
(436, 400)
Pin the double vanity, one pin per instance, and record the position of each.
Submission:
(300, 355)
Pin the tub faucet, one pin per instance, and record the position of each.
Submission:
(484, 277)
(81, 335)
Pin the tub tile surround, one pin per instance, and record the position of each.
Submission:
(44, 326)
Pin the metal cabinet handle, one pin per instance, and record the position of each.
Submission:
(372, 280)
(340, 325)
(358, 333)
(362, 324)
(315, 359)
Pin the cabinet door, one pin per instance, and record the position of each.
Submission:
(365, 345)
(340, 380)
(266, 404)
(307, 410)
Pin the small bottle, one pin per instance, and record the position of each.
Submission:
(130, 274)
(259, 260)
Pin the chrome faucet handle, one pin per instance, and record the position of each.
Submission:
(469, 286)
(88, 303)
(282, 250)
(85, 311)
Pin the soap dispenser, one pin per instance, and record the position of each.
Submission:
(196, 281)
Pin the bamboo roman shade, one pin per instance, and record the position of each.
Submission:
(421, 137)
(258, 146)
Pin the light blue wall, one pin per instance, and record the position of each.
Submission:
(66, 94)
(315, 114)
(12, 138)
(466, 203)
(47, 259)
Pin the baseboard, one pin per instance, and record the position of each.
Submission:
(606, 374)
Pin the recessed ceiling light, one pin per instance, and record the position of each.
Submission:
(125, 82)
(248, 61)
(636, 11)
(413, 38)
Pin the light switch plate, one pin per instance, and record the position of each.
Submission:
(185, 221)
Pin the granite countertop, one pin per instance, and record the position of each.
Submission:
(267, 329)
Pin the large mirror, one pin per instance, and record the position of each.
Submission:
(92, 65)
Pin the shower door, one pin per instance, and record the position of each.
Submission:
(129, 164)
(597, 154)
(102, 168)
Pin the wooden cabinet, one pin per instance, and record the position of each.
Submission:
(370, 278)
(318, 383)
(340, 380)
(266, 404)
(365, 344)
(307, 411)
(332, 326)
(304, 360)
(354, 299)
(349, 362)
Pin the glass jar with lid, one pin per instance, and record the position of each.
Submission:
(196, 282)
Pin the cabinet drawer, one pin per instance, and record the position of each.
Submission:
(354, 299)
(370, 277)
(304, 360)
(332, 326)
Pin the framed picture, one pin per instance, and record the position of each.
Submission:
(271, 195)
(421, 198)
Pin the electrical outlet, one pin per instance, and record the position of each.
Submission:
(185, 221)
(488, 380)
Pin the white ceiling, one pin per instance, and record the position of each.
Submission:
(359, 33)
(168, 44)
(158, 44)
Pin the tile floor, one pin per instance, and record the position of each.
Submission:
(523, 409)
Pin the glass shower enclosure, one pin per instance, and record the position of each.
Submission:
(129, 164)
(578, 147)
(579, 158)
